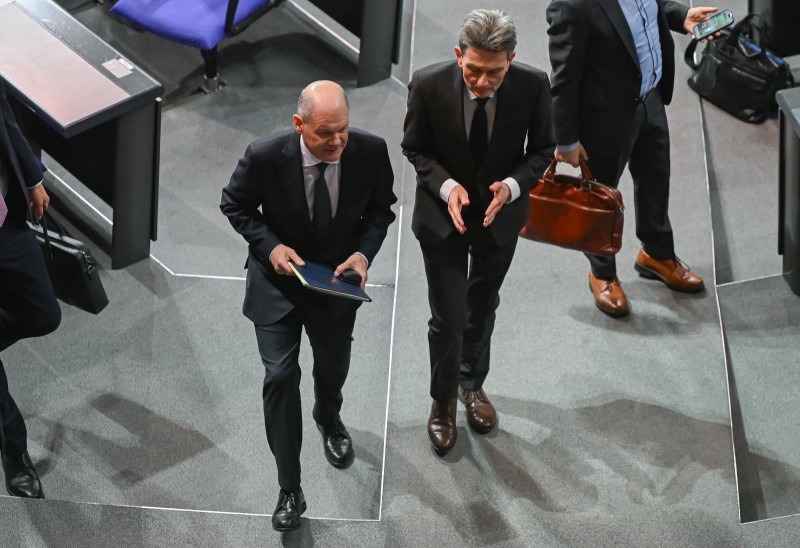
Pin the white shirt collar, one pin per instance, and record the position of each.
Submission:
(472, 96)
(309, 159)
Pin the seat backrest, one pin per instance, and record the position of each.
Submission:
(199, 23)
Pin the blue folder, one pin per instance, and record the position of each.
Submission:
(319, 277)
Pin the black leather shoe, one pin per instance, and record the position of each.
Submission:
(291, 504)
(21, 477)
(337, 443)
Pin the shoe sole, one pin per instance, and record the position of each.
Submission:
(650, 274)
(612, 313)
(295, 528)
(40, 497)
(438, 451)
(286, 529)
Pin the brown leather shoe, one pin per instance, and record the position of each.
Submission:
(442, 426)
(671, 272)
(608, 296)
(481, 415)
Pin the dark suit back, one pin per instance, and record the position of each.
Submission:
(270, 177)
(435, 141)
(596, 76)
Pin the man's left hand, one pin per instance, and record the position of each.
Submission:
(39, 201)
(695, 16)
(501, 195)
(357, 262)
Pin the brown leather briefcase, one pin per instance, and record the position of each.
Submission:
(575, 213)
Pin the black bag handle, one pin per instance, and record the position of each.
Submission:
(730, 38)
(45, 233)
(746, 26)
(688, 55)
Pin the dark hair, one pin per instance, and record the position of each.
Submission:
(488, 30)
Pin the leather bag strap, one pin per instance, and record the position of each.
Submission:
(586, 175)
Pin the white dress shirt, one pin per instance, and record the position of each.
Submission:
(310, 173)
(469, 113)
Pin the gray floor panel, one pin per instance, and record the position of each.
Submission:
(762, 321)
(611, 432)
(147, 402)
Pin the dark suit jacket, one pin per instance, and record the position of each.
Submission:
(270, 177)
(435, 141)
(23, 165)
(596, 77)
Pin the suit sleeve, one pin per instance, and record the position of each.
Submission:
(539, 150)
(28, 163)
(675, 13)
(378, 215)
(568, 42)
(417, 142)
(241, 199)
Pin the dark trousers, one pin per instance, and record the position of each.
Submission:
(464, 274)
(646, 152)
(330, 336)
(28, 308)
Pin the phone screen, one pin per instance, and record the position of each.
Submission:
(713, 24)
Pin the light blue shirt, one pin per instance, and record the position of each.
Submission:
(642, 17)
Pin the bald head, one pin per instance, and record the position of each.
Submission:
(321, 92)
(323, 119)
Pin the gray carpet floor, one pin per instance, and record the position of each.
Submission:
(145, 421)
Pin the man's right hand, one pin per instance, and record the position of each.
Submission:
(457, 199)
(280, 258)
(573, 157)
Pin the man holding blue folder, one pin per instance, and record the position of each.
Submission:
(325, 193)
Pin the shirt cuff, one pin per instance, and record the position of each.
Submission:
(513, 186)
(365, 257)
(446, 188)
(37, 184)
(568, 148)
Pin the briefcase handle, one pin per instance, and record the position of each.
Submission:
(586, 175)
(43, 222)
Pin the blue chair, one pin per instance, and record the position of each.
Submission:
(199, 23)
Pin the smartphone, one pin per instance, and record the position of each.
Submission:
(350, 276)
(713, 24)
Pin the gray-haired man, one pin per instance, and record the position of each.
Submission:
(465, 134)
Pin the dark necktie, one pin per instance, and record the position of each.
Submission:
(322, 202)
(479, 133)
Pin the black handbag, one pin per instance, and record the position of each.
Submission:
(72, 267)
(738, 74)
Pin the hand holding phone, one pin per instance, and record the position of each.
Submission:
(712, 25)
(350, 276)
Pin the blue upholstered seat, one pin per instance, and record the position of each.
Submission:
(198, 23)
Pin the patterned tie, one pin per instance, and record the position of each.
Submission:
(479, 133)
(322, 203)
(3, 209)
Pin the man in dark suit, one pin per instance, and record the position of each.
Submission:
(465, 133)
(325, 192)
(28, 306)
(613, 71)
